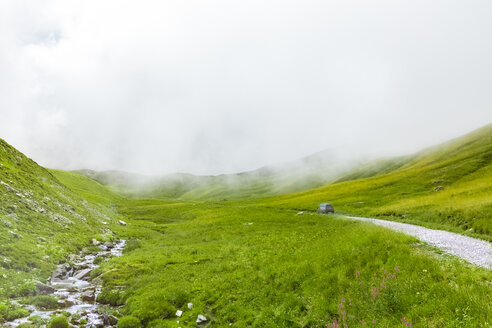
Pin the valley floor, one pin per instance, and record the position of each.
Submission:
(251, 266)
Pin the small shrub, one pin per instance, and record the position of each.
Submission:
(15, 313)
(26, 289)
(44, 302)
(37, 321)
(111, 297)
(98, 260)
(162, 310)
(25, 325)
(132, 245)
(179, 298)
(3, 310)
(59, 322)
(159, 323)
(129, 322)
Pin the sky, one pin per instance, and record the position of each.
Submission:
(223, 86)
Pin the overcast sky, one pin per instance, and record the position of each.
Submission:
(211, 86)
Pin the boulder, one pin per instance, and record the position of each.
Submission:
(82, 274)
(65, 303)
(88, 296)
(109, 245)
(201, 319)
(61, 271)
(43, 289)
(109, 320)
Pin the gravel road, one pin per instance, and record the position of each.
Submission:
(476, 251)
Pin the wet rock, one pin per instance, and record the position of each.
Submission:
(80, 266)
(43, 289)
(109, 320)
(109, 245)
(82, 274)
(61, 271)
(65, 303)
(61, 283)
(88, 296)
(123, 223)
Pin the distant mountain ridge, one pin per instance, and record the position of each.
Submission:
(446, 186)
(309, 172)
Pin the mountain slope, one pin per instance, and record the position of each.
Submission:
(306, 173)
(41, 222)
(449, 185)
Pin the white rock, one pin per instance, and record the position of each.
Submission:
(121, 222)
(190, 306)
(179, 313)
(201, 318)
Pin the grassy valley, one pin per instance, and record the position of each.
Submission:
(448, 187)
(303, 174)
(251, 256)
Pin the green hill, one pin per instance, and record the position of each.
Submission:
(447, 186)
(42, 221)
(254, 261)
(306, 173)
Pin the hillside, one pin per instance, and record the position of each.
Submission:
(306, 173)
(251, 262)
(447, 186)
(41, 222)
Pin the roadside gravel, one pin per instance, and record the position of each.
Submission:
(475, 251)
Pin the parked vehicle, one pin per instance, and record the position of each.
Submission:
(325, 208)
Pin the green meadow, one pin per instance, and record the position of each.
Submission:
(258, 257)
(251, 266)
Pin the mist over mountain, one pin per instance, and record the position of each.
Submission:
(229, 86)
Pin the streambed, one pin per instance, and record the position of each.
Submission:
(76, 293)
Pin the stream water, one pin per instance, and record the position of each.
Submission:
(76, 293)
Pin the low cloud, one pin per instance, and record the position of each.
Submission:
(225, 86)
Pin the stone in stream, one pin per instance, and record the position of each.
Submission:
(61, 271)
(109, 245)
(65, 303)
(88, 296)
(109, 320)
(43, 289)
(82, 274)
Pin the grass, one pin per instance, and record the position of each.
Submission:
(254, 262)
(41, 221)
(448, 187)
(251, 266)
